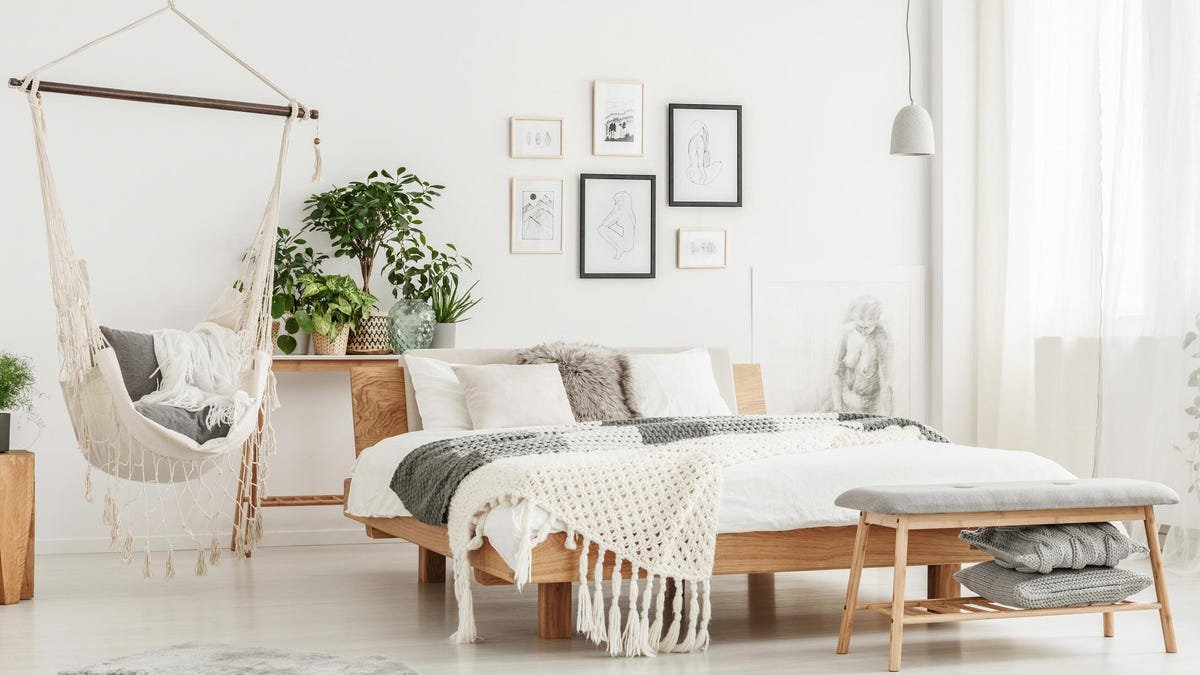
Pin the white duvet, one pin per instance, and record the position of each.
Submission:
(780, 493)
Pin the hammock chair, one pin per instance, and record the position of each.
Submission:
(113, 436)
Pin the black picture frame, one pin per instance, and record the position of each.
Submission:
(583, 236)
(671, 108)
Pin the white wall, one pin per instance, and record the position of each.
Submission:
(162, 199)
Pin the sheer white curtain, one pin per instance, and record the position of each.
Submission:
(1089, 242)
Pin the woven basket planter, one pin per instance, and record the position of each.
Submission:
(323, 346)
(371, 336)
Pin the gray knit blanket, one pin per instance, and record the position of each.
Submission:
(427, 478)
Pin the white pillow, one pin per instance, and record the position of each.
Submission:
(670, 385)
(440, 398)
(501, 396)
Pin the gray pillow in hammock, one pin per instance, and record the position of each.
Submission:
(135, 356)
(186, 422)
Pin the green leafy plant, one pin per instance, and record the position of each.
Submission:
(1191, 341)
(365, 217)
(449, 304)
(16, 385)
(334, 301)
(415, 267)
(294, 257)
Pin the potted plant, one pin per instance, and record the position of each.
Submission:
(365, 217)
(416, 270)
(449, 306)
(293, 258)
(336, 305)
(16, 393)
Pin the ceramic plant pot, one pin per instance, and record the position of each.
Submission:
(323, 346)
(443, 335)
(5, 430)
(412, 323)
(372, 336)
(302, 340)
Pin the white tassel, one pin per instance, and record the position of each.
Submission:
(654, 634)
(671, 639)
(689, 643)
(583, 614)
(169, 568)
(633, 621)
(466, 633)
(214, 551)
(598, 626)
(201, 563)
(147, 571)
(127, 551)
(87, 485)
(705, 615)
(648, 646)
(614, 612)
(318, 164)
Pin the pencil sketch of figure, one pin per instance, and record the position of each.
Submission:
(701, 169)
(537, 215)
(619, 228)
(861, 379)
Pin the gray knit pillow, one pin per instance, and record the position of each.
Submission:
(1041, 548)
(135, 355)
(594, 377)
(1060, 588)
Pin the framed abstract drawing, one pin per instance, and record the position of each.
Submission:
(704, 155)
(536, 221)
(536, 137)
(617, 112)
(616, 226)
(701, 248)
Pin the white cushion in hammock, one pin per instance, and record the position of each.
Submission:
(150, 448)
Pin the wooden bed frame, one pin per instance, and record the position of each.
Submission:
(378, 404)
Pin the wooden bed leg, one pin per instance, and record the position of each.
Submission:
(554, 610)
(1160, 584)
(941, 581)
(431, 567)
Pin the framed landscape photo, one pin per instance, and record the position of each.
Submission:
(616, 226)
(536, 221)
(617, 112)
(701, 248)
(536, 137)
(704, 155)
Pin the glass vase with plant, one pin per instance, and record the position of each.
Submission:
(336, 305)
(294, 257)
(422, 275)
(16, 393)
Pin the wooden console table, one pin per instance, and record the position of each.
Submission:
(16, 526)
(304, 364)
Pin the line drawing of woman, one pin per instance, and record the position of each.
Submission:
(861, 380)
(701, 169)
(619, 228)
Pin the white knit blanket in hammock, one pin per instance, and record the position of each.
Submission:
(201, 368)
(654, 508)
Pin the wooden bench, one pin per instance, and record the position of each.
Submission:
(906, 508)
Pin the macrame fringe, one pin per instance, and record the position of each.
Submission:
(318, 164)
(201, 563)
(169, 567)
(214, 551)
(671, 639)
(614, 612)
(87, 485)
(466, 633)
(583, 614)
(147, 570)
(599, 631)
(127, 549)
(633, 620)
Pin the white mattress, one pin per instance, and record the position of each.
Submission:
(779, 493)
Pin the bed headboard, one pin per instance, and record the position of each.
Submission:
(383, 405)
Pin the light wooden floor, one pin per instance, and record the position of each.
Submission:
(364, 600)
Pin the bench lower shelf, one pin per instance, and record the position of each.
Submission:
(976, 608)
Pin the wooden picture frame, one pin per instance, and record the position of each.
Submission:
(515, 148)
(684, 263)
(616, 210)
(602, 101)
(695, 163)
(523, 189)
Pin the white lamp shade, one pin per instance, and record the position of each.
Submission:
(912, 132)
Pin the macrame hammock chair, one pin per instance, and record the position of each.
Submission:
(132, 450)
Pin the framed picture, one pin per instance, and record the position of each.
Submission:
(701, 247)
(617, 111)
(536, 221)
(616, 226)
(704, 155)
(536, 138)
(848, 338)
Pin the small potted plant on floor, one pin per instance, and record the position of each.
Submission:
(425, 278)
(16, 393)
(363, 218)
(336, 305)
(293, 257)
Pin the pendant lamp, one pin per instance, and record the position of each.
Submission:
(912, 130)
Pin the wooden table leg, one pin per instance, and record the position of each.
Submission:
(856, 567)
(431, 567)
(1160, 584)
(1109, 629)
(898, 579)
(16, 526)
(554, 610)
(941, 582)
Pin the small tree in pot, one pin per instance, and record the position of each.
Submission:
(16, 393)
(293, 258)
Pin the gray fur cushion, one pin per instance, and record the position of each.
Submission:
(1042, 548)
(1060, 588)
(135, 355)
(190, 424)
(595, 377)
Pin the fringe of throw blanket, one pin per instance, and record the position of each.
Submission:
(201, 369)
(651, 510)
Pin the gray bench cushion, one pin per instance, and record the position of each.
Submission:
(1082, 493)
(1060, 588)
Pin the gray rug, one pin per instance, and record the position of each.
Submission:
(195, 658)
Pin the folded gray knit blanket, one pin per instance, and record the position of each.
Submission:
(1042, 548)
(1059, 588)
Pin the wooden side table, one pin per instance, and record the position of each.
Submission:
(16, 526)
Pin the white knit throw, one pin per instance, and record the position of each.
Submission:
(201, 368)
(654, 508)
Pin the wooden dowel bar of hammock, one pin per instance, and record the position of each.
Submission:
(166, 99)
(304, 500)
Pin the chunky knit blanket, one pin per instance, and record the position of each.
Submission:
(644, 490)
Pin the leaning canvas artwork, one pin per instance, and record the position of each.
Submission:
(845, 340)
